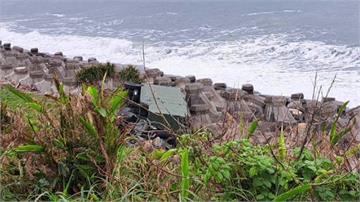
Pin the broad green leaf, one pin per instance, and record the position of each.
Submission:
(29, 148)
(167, 155)
(94, 93)
(293, 192)
(102, 112)
(90, 128)
(117, 101)
(254, 125)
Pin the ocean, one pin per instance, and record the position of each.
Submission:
(278, 46)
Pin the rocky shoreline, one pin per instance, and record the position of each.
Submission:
(209, 104)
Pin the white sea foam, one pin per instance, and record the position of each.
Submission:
(273, 12)
(59, 15)
(274, 64)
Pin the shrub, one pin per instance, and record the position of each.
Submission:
(95, 73)
(59, 146)
(131, 74)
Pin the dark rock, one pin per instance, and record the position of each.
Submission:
(220, 86)
(7, 46)
(328, 99)
(6, 67)
(92, 60)
(249, 88)
(34, 50)
(297, 96)
(191, 78)
(199, 109)
(59, 54)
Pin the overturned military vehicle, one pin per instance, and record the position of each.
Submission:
(156, 111)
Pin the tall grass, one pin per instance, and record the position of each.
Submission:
(76, 148)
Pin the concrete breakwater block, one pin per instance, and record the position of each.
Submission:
(220, 86)
(205, 81)
(18, 49)
(7, 46)
(36, 74)
(199, 109)
(233, 94)
(21, 70)
(297, 96)
(153, 73)
(192, 78)
(78, 58)
(92, 60)
(6, 67)
(69, 81)
(58, 54)
(34, 51)
(249, 88)
(193, 88)
(163, 81)
(276, 111)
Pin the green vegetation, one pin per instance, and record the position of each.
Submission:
(95, 73)
(75, 148)
(130, 73)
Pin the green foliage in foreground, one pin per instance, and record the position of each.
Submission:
(95, 73)
(131, 74)
(72, 148)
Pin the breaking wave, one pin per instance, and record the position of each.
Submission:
(273, 63)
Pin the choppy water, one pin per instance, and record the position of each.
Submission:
(276, 45)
